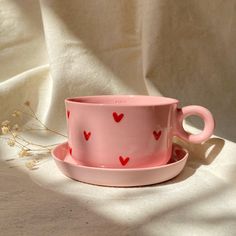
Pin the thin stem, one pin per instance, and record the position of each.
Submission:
(15, 140)
(33, 115)
(35, 144)
(54, 131)
(20, 145)
(26, 113)
(40, 150)
(31, 129)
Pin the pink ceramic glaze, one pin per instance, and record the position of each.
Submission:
(128, 131)
(119, 177)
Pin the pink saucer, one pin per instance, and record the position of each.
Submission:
(119, 177)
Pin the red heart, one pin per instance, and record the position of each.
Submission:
(157, 135)
(117, 117)
(87, 135)
(70, 151)
(123, 161)
(68, 114)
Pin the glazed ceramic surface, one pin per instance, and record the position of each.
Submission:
(119, 177)
(128, 131)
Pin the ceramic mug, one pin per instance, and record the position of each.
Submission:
(129, 131)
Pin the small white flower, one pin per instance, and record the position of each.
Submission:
(16, 114)
(5, 123)
(11, 142)
(23, 153)
(5, 130)
(31, 164)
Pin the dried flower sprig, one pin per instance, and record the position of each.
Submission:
(34, 116)
(13, 134)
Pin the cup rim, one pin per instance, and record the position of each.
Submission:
(160, 100)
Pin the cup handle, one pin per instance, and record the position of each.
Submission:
(203, 113)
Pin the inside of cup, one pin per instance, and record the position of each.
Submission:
(125, 100)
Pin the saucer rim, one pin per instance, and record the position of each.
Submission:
(183, 159)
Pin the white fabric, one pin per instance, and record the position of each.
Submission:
(51, 50)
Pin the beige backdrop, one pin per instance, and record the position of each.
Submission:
(184, 49)
(53, 49)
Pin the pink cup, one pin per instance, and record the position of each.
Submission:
(128, 131)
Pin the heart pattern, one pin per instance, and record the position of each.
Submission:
(87, 135)
(117, 117)
(123, 160)
(157, 135)
(68, 114)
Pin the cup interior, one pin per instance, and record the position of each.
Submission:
(125, 100)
